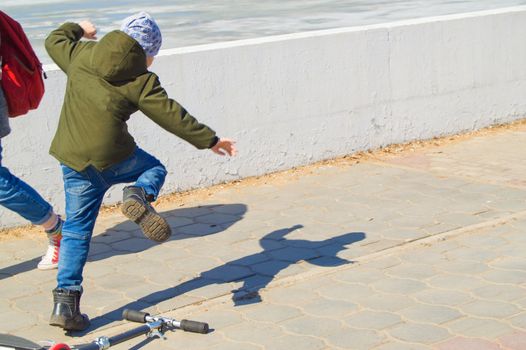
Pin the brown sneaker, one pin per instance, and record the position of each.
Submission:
(138, 209)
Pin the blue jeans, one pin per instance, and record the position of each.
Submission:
(21, 198)
(84, 193)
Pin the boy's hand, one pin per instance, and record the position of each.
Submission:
(90, 32)
(224, 147)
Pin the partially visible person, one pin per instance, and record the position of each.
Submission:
(18, 196)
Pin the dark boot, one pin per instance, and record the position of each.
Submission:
(138, 209)
(66, 311)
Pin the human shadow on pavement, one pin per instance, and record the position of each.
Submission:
(254, 271)
(118, 240)
(24, 266)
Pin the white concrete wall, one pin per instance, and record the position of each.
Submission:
(296, 99)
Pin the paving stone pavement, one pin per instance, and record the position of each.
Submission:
(416, 250)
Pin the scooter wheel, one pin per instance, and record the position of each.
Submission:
(60, 346)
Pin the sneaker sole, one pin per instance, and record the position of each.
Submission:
(47, 267)
(153, 225)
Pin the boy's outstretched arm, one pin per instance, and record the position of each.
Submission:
(170, 115)
(63, 43)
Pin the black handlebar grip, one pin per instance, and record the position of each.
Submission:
(194, 326)
(134, 315)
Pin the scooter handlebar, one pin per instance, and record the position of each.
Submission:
(185, 325)
(194, 326)
(135, 316)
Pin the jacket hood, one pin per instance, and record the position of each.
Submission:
(118, 57)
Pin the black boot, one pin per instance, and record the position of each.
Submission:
(138, 209)
(66, 311)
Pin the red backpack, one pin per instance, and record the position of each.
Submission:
(22, 81)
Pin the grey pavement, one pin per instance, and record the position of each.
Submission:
(423, 249)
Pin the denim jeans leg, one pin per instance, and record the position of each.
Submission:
(152, 180)
(142, 168)
(84, 193)
(21, 198)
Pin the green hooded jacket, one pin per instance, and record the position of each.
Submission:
(107, 82)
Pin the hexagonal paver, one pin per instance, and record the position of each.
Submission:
(419, 333)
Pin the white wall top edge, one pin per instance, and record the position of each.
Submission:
(327, 32)
(314, 33)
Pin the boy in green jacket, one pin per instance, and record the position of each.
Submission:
(107, 82)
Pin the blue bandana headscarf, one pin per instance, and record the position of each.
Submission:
(142, 27)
